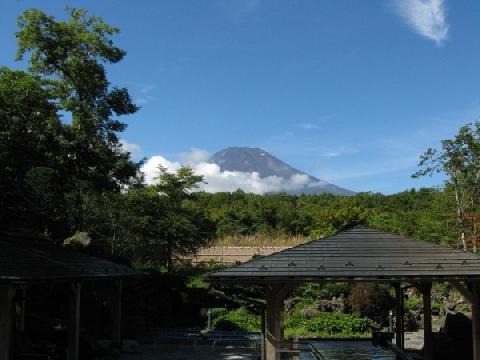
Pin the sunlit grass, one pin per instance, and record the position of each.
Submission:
(260, 240)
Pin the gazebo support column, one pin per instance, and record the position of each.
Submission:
(427, 321)
(476, 320)
(74, 322)
(263, 321)
(399, 329)
(7, 321)
(274, 321)
(117, 314)
(21, 315)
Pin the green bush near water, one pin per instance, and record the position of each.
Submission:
(239, 319)
(331, 323)
(324, 324)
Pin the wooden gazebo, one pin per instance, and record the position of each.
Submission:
(361, 254)
(25, 261)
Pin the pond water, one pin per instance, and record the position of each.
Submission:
(349, 350)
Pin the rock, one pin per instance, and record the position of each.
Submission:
(289, 303)
(450, 307)
(80, 239)
(457, 326)
(335, 304)
(308, 312)
(446, 347)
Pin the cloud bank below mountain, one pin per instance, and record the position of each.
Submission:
(227, 181)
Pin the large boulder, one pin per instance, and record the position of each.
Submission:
(454, 341)
(457, 326)
(333, 305)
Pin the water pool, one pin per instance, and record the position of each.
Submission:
(349, 350)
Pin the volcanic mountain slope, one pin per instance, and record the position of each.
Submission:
(244, 159)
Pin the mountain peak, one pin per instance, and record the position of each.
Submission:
(252, 159)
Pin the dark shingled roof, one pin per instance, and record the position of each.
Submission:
(357, 254)
(25, 259)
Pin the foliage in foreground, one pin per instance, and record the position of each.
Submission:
(331, 323)
(324, 324)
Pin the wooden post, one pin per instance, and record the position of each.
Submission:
(476, 321)
(264, 314)
(273, 328)
(399, 330)
(7, 321)
(117, 314)
(402, 318)
(21, 315)
(427, 321)
(74, 322)
(274, 321)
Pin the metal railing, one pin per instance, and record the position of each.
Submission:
(316, 354)
(294, 349)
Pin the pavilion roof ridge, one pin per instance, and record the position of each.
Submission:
(358, 252)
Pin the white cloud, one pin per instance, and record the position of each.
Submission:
(331, 154)
(308, 125)
(228, 181)
(134, 149)
(150, 168)
(144, 95)
(339, 151)
(141, 100)
(426, 17)
(145, 89)
(194, 156)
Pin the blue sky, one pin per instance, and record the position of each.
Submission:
(349, 91)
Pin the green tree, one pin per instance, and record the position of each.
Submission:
(30, 141)
(179, 224)
(459, 159)
(72, 54)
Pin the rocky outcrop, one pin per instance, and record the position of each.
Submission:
(454, 341)
(335, 304)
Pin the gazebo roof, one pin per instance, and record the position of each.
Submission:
(358, 253)
(24, 259)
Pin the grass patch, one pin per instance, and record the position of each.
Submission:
(260, 240)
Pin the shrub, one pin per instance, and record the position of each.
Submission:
(216, 312)
(330, 290)
(372, 300)
(413, 303)
(236, 319)
(329, 323)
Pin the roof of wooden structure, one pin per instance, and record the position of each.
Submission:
(24, 260)
(358, 253)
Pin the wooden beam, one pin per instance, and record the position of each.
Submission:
(426, 289)
(462, 289)
(7, 321)
(476, 321)
(74, 322)
(117, 314)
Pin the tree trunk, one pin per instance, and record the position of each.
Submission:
(460, 216)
